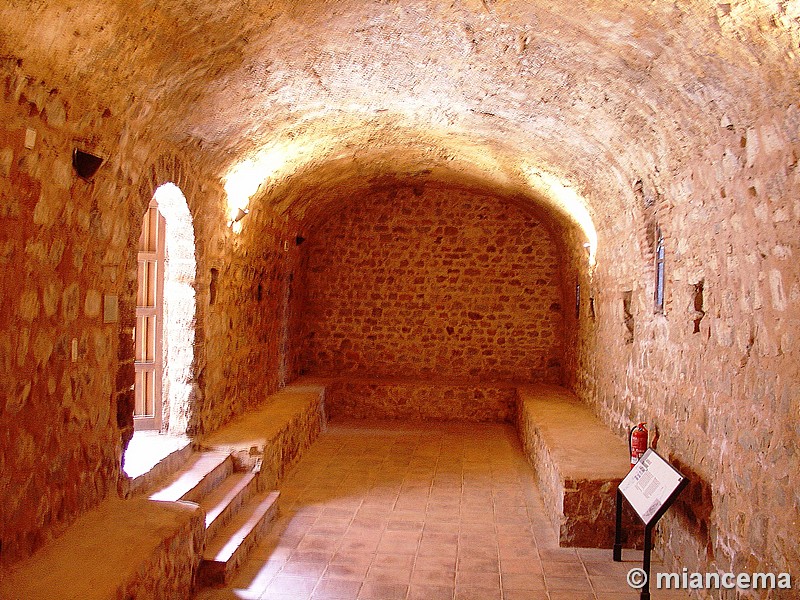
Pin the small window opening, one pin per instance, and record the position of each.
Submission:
(591, 308)
(659, 289)
(698, 301)
(212, 287)
(577, 300)
(627, 297)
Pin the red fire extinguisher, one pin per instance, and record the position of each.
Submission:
(637, 442)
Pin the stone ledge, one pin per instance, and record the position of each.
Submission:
(578, 463)
(150, 550)
(421, 399)
(277, 432)
(122, 549)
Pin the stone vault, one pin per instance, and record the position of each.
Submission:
(608, 124)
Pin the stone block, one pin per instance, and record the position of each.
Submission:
(280, 430)
(16, 400)
(42, 348)
(47, 209)
(51, 295)
(37, 251)
(6, 160)
(70, 303)
(93, 303)
(22, 345)
(55, 112)
(56, 252)
(29, 305)
(578, 464)
(122, 549)
(62, 175)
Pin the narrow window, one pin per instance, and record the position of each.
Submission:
(627, 315)
(577, 300)
(698, 304)
(659, 291)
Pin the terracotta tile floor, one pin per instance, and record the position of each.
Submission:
(384, 511)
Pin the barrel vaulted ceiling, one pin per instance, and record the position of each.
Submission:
(521, 97)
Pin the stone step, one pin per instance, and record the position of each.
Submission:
(223, 503)
(203, 473)
(231, 545)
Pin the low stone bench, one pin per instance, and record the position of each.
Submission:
(578, 462)
(120, 550)
(277, 432)
(420, 399)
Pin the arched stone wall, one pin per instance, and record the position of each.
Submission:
(167, 170)
(697, 100)
(431, 282)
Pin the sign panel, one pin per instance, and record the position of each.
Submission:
(650, 485)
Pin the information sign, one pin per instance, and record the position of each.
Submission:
(650, 488)
(650, 485)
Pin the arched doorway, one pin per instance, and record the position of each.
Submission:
(165, 314)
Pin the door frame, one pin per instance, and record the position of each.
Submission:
(149, 368)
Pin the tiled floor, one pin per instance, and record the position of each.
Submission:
(388, 511)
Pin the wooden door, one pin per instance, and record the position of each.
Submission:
(149, 321)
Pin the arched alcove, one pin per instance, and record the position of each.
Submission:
(166, 304)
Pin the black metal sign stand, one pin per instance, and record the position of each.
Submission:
(650, 488)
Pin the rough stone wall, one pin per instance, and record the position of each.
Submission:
(420, 400)
(171, 571)
(433, 283)
(248, 335)
(717, 374)
(67, 249)
(682, 114)
(61, 250)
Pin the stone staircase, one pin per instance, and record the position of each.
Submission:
(145, 541)
(238, 512)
